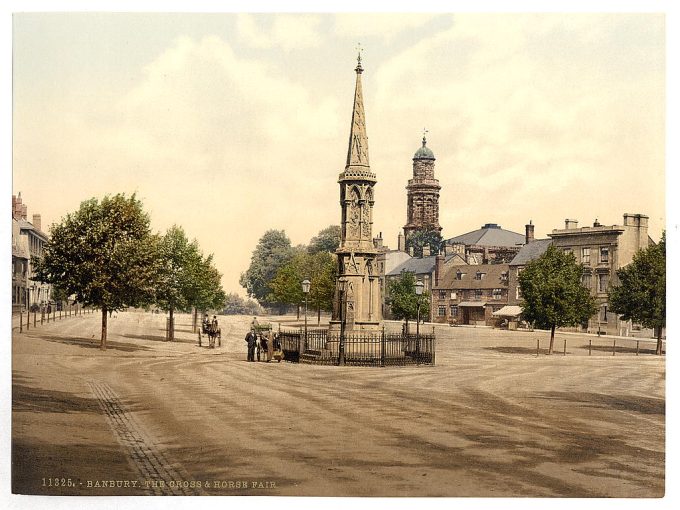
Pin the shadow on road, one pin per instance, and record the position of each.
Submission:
(160, 338)
(93, 343)
(620, 349)
(516, 350)
(40, 400)
(644, 405)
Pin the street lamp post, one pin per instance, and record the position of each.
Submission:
(342, 282)
(305, 289)
(419, 293)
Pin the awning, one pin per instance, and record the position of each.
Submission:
(508, 311)
(473, 304)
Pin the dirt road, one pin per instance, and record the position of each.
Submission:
(490, 419)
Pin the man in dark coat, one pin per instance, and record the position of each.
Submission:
(251, 338)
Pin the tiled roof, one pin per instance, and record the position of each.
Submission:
(493, 277)
(531, 251)
(489, 235)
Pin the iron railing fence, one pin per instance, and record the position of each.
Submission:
(380, 349)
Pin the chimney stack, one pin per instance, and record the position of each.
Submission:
(24, 212)
(438, 268)
(569, 224)
(401, 242)
(36, 221)
(426, 250)
(528, 233)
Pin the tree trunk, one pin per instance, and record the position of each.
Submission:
(102, 345)
(171, 335)
(195, 321)
(298, 311)
(552, 339)
(659, 342)
(318, 316)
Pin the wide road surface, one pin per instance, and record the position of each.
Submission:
(490, 419)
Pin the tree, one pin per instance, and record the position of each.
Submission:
(403, 300)
(104, 254)
(640, 295)
(426, 237)
(327, 240)
(204, 285)
(319, 268)
(552, 293)
(236, 305)
(177, 257)
(272, 251)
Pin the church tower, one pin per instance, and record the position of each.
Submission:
(357, 300)
(422, 194)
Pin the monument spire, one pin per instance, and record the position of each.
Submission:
(357, 152)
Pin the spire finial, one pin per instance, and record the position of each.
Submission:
(425, 131)
(359, 49)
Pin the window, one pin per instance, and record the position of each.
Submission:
(442, 311)
(602, 282)
(497, 293)
(586, 281)
(604, 254)
(442, 294)
(454, 310)
(518, 293)
(585, 255)
(479, 293)
(568, 250)
(454, 295)
(504, 276)
(479, 275)
(459, 275)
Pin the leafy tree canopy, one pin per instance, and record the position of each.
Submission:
(327, 240)
(271, 253)
(552, 293)
(640, 295)
(319, 268)
(426, 237)
(403, 300)
(104, 254)
(236, 305)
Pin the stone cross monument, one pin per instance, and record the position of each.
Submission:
(357, 301)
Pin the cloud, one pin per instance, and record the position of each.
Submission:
(287, 31)
(383, 25)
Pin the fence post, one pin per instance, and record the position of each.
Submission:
(382, 348)
(637, 347)
(590, 346)
(35, 318)
(538, 345)
(28, 319)
(614, 348)
(21, 321)
(565, 347)
(42, 316)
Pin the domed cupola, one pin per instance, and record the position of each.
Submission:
(424, 152)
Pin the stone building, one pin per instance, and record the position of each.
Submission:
(358, 300)
(602, 250)
(489, 244)
(422, 195)
(28, 241)
(470, 294)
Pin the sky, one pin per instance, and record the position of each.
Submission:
(233, 124)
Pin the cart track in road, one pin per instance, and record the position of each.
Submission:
(150, 462)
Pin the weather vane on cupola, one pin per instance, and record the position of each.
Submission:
(425, 132)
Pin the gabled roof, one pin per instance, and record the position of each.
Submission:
(530, 252)
(27, 225)
(490, 234)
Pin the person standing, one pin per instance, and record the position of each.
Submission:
(251, 339)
